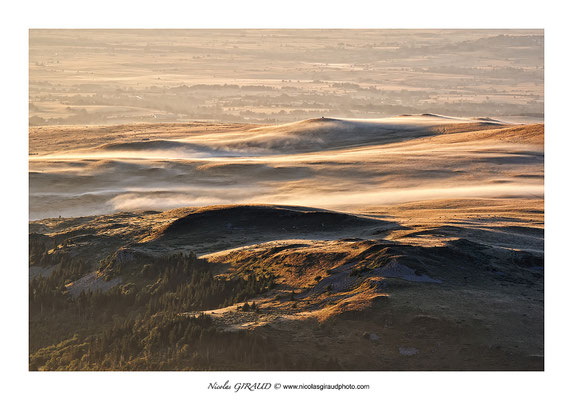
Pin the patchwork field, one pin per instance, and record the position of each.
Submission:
(110, 77)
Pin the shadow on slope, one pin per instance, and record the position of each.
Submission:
(224, 227)
(310, 135)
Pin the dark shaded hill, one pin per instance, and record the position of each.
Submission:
(261, 218)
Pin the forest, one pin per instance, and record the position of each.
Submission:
(152, 321)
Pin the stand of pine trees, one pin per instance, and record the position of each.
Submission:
(142, 325)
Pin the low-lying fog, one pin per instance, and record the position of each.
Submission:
(328, 163)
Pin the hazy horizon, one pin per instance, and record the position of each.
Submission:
(106, 77)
